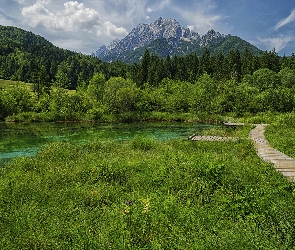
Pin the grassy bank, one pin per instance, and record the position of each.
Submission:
(281, 133)
(135, 116)
(110, 118)
(145, 194)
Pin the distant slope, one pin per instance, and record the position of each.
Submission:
(23, 54)
(12, 39)
(236, 43)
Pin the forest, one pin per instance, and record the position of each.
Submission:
(238, 82)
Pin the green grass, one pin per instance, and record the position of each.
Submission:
(8, 84)
(128, 117)
(259, 118)
(238, 131)
(145, 194)
(281, 134)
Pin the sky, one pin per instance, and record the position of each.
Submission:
(85, 25)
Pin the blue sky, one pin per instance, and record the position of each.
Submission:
(85, 25)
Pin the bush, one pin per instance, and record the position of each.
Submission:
(143, 143)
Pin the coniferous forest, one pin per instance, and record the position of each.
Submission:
(239, 82)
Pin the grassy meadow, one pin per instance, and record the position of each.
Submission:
(145, 194)
(9, 84)
(281, 134)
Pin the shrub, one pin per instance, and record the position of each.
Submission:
(143, 143)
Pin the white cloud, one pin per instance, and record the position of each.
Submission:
(31, 2)
(113, 30)
(159, 6)
(20, 1)
(201, 16)
(277, 42)
(191, 27)
(127, 13)
(7, 18)
(71, 44)
(73, 17)
(285, 21)
(37, 15)
(4, 21)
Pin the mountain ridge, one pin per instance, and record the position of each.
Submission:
(180, 40)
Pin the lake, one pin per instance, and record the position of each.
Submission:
(26, 139)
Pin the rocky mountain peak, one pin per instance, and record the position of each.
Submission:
(210, 36)
(113, 44)
(144, 34)
(165, 23)
(213, 34)
(164, 37)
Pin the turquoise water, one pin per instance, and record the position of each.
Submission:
(27, 139)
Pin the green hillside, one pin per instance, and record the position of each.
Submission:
(27, 57)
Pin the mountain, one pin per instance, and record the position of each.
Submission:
(166, 37)
(16, 41)
(25, 55)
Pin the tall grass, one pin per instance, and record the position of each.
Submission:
(281, 133)
(145, 194)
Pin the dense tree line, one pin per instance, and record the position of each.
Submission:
(213, 83)
(235, 65)
(105, 99)
(27, 57)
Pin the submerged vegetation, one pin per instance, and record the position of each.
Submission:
(145, 194)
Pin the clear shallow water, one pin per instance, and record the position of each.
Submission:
(27, 139)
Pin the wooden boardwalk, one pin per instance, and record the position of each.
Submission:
(282, 162)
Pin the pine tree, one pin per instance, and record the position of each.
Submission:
(42, 81)
(192, 62)
(144, 68)
(205, 63)
(167, 68)
(219, 72)
(234, 65)
(270, 60)
(247, 62)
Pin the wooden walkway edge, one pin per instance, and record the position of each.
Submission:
(211, 138)
(282, 163)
